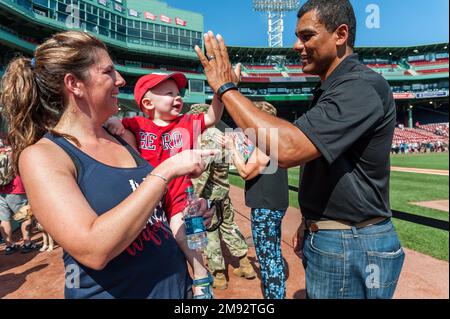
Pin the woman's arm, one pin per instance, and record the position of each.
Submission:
(64, 212)
(255, 163)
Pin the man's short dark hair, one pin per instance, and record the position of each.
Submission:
(333, 13)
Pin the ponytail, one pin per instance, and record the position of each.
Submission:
(20, 101)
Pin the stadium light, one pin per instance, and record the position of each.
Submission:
(275, 11)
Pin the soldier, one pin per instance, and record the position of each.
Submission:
(213, 184)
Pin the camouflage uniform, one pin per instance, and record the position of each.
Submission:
(214, 184)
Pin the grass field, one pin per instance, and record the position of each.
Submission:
(406, 188)
(430, 161)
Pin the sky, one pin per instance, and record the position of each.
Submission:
(379, 22)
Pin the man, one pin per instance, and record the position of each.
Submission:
(350, 247)
(213, 184)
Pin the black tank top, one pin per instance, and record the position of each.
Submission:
(153, 266)
(270, 191)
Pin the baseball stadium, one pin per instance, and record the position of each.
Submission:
(150, 36)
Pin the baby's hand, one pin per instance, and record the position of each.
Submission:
(115, 126)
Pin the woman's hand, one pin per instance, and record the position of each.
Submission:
(229, 142)
(190, 163)
(224, 140)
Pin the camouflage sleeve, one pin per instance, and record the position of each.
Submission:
(219, 185)
(213, 183)
(201, 181)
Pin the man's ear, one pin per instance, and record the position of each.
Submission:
(341, 35)
(147, 104)
(73, 85)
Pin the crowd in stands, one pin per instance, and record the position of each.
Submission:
(440, 129)
(423, 147)
(422, 139)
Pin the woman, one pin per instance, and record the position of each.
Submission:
(82, 182)
(268, 196)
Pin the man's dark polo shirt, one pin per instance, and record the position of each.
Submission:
(351, 122)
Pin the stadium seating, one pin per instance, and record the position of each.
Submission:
(259, 67)
(387, 69)
(264, 74)
(417, 135)
(440, 129)
(429, 67)
(180, 69)
(293, 67)
(429, 71)
(383, 66)
(267, 71)
(427, 63)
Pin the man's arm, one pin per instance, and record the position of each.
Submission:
(293, 147)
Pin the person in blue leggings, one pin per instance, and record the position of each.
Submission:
(266, 192)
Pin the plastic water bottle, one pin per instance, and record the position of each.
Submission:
(195, 229)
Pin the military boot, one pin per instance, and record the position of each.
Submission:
(245, 269)
(220, 281)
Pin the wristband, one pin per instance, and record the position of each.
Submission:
(161, 177)
(224, 88)
(158, 175)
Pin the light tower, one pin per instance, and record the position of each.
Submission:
(275, 10)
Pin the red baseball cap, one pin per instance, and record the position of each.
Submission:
(149, 81)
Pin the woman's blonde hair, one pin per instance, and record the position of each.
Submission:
(266, 107)
(32, 95)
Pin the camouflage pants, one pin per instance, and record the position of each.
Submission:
(230, 234)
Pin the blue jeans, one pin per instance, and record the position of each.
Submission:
(357, 263)
(266, 231)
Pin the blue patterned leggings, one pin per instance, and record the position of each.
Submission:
(266, 231)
